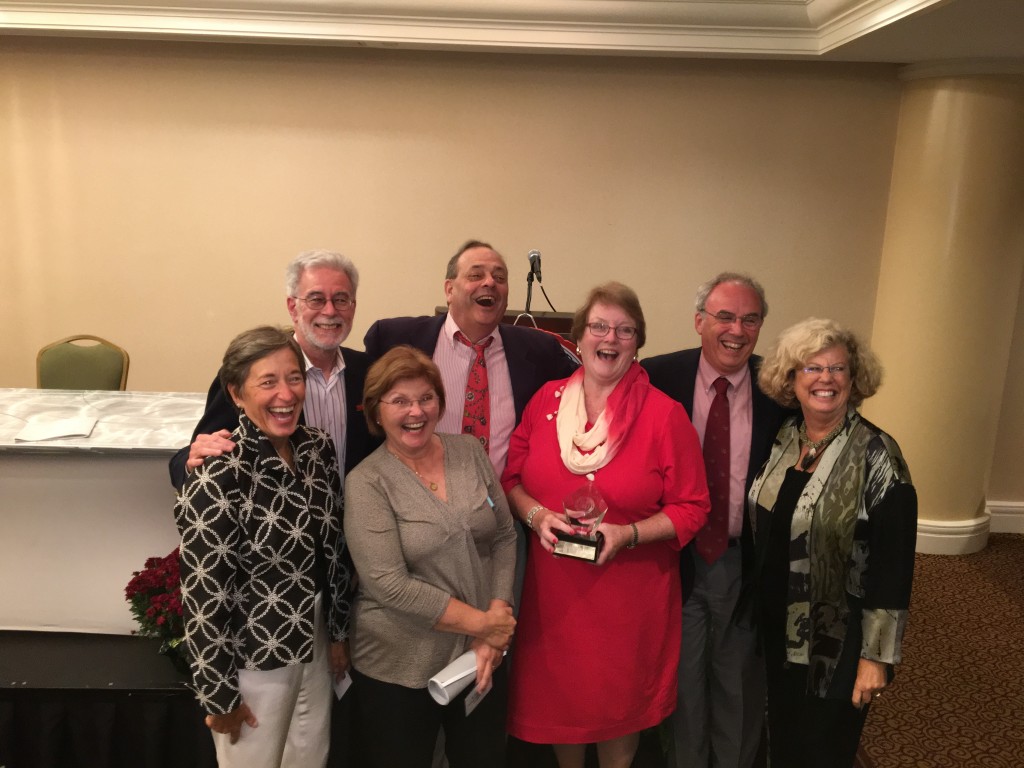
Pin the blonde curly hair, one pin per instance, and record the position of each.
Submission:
(802, 341)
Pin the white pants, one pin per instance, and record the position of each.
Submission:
(292, 706)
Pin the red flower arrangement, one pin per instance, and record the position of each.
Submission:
(155, 598)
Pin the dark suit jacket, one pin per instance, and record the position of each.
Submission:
(534, 358)
(220, 413)
(675, 374)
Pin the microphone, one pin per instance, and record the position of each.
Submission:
(534, 257)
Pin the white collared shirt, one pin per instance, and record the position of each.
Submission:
(741, 423)
(325, 406)
(455, 360)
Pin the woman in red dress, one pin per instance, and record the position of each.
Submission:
(598, 643)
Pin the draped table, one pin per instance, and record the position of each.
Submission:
(78, 515)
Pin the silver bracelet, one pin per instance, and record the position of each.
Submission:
(635, 538)
(529, 515)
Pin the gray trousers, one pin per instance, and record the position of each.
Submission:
(720, 707)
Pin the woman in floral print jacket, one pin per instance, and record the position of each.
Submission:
(266, 578)
(834, 516)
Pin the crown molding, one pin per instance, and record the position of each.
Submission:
(962, 68)
(759, 28)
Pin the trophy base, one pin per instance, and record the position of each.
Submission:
(579, 547)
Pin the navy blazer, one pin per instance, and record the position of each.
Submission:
(221, 413)
(675, 374)
(534, 358)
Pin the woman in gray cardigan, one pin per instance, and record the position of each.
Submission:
(431, 536)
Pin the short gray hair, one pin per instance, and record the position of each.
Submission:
(252, 345)
(319, 258)
(705, 289)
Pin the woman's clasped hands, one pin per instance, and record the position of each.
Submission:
(498, 625)
(492, 642)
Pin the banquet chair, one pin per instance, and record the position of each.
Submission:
(67, 364)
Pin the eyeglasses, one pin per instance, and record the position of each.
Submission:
(317, 301)
(624, 332)
(751, 322)
(405, 404)
(817, 370)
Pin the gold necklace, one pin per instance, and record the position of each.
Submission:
(429, 483)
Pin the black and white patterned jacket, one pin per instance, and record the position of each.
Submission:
(248, 532)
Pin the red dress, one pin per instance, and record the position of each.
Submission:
(596, 648)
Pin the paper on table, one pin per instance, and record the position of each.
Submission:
(453, 679)
(48, 429)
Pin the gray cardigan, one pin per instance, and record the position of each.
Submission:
(413, 552)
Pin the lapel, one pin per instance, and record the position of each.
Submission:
(425, 336)
(675, 374)
(354, 376)
(521, 369)
(765, 422)
(688, 379)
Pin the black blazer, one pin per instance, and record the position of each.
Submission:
(221, 413)
(534, 358)
(675, 374)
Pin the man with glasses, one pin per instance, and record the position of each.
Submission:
(720, 708)
(321, 299)
(516, 361)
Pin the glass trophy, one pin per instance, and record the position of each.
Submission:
(585, 508)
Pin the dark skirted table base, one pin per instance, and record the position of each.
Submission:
(72, 699)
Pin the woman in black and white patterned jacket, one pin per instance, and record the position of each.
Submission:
(266, 578)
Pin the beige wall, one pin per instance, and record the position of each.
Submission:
(1006, 482)
(152, 192)
(158, 189)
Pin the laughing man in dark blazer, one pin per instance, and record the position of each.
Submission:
(519, 360)
(720, 708)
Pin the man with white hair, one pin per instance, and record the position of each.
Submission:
(321, 299)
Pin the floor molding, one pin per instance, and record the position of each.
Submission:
(1007, 516)
(952, 537)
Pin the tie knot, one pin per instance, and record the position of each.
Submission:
(721, 385)
(461, 337)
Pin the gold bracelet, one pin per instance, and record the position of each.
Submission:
(529, 515)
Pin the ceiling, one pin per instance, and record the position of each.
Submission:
(893, 31)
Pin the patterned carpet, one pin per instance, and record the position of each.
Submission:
(958, 697)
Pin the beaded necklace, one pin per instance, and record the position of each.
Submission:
(814, 447)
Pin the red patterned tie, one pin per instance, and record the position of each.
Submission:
(477, 414)
(713, 538)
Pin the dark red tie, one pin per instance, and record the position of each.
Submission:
(476, 417)
(713, 538)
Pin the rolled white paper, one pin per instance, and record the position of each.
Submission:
(453, 679)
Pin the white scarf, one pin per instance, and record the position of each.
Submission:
(571, 425)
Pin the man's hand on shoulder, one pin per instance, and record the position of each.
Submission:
(204, 446)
